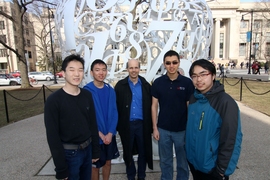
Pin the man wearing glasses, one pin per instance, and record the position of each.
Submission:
(171, 93)
(213, 134)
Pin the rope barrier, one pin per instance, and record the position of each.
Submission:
(253, 91)
(246, 86)
(19, 99)
(48, 88)
(24, 99)
(232, 84)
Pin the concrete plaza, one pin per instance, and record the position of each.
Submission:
(25, 154)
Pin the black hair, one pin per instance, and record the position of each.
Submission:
(171, 53)
(205, 64)
(72, 57)
(97, 61)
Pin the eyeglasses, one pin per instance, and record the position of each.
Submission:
(202, 76)
(169, 63)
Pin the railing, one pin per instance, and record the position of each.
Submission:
(241, 81)
(223, 80)
(7, 93)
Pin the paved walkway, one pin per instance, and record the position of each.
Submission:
(24, 153)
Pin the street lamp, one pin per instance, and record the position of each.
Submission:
(51, 15)
(250, 43)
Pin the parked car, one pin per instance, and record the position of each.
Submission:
(15, 74)
(6, 79)
(41, 76)
(59, 74)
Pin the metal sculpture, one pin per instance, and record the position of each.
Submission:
(118, 30)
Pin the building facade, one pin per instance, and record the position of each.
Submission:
(8, 60)
(232, 29)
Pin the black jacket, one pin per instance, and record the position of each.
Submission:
(123, 100)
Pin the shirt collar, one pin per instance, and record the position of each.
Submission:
(139, 80)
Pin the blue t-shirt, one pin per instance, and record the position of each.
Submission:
(172, 97)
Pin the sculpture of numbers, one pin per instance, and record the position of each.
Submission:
(118, 30)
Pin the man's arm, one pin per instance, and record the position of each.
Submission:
(54, 141)
(154, 109)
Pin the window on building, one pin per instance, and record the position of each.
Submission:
(243, 24)
(3, 38)
(242, 49)
(3, 52)
(267, 36)
(28, 43)
(29, 54)
(1, 8)
(25, 20)
(16, 39)
(13, 12)
(267, 49)
(257, 24)
(221, 40)
(26, 31)
(2, 25)
(267, 25)
(256, 49)
(3, 66)
(222, 24)
(243, 38)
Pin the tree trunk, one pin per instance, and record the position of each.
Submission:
(20, 45)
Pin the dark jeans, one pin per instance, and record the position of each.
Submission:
(198, 175)
(136, 134)
(79, 163)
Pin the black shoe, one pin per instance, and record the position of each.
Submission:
(141, 179)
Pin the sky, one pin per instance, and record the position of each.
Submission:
(247, 0)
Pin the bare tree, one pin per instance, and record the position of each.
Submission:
(42, 35)
(261, 30)
(18, 19)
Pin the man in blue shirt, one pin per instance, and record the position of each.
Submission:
(171, 93)
(133, 98)
(107, 117)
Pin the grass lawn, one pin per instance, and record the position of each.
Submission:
(255, 94)
(25, 103)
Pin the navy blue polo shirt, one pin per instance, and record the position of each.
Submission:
(172, 97)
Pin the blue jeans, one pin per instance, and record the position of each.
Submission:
(79, 163)
(165, 146)
(136, 135)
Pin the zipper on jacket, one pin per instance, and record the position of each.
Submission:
(201, 121)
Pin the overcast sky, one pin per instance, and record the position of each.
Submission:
(247, 0)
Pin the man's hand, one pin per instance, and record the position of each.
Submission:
(108, 139)
(216, 174)
(156, 134)
(101, 135)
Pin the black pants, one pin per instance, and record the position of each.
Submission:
(198, 175)
(136, 136)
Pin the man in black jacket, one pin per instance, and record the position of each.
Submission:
(133, 98)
